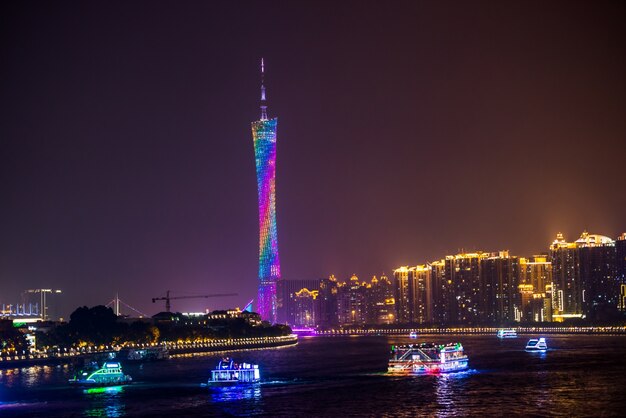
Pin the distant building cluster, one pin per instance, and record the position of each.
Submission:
(581, 279)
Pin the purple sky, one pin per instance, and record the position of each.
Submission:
(407, 130)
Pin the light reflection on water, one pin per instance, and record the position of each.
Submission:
(540, 354)
(105, 402)
(447, 387)
(238, 400)
(235, 393)
(32, 376)
(346, 376)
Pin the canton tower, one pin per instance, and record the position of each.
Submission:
(264, 135)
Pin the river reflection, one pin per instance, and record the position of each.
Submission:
(235, 393)
(447, 389)
(105, 402)
(30, 376)
(337, 377)
(238, 400)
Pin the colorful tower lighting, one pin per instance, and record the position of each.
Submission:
(264, 135)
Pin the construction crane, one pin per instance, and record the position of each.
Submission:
(167, 298)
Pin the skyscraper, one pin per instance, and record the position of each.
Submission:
(585, 279)
(264, 135)
(567, 290)
(536, 296)
(463, 274)
(327, 298)
(499, 277)
(620, 271)
(402, 277)
(600, 297)
(286, 300)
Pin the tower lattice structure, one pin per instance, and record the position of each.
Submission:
(264, 136)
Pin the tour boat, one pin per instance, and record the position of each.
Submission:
(426, 358)
(228, 372)
(109, 375)
(144, 354)
(507, 333)
(413, 334)
(535, 344)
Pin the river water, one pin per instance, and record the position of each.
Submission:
(344, 376)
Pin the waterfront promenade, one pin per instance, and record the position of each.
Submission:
(608, 330)
(63, 356)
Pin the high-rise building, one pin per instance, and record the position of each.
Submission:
(585, 277)
(306, 308)
(441, 294)
(402, 277)
(420, 295)
(499, 277)
(536, 289)
(463, 272)
(413, 294)
(380, 301)
(567, 285)
(600, 297)
(287, 301)
(351, 303)
(620, 271)
(264, 136)
(327, 302)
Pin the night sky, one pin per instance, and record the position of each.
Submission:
(407, 131)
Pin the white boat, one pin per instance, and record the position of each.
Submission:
(228, 372)
(507, 333)
(536, 344)
(426, 358)
(413, 334)
(144, 354)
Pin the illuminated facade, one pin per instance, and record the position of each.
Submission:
(264, 136)
(586, 282)
(402, 277)
(306, 308)
(462, 271)
(327, 301)
(420, 295)
(620, 271)
(441, 293)
(566, 279)
(413, 294)
(381, 303)
(351, 302)
(596, 254)
(500, 302)
(536, 289)
(287, 307)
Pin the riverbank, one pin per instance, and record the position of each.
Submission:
(232, 344)
(174, 348)
(613, 330)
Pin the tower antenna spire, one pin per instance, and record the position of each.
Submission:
(263, 100)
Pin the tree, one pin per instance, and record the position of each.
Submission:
(13, 341)
(97, 325)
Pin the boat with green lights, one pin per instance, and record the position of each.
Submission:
(110, 374)
(426, 358)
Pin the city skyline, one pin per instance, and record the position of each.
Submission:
(582, 280)
(125, 164)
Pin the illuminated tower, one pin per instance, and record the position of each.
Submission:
(264, 135)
